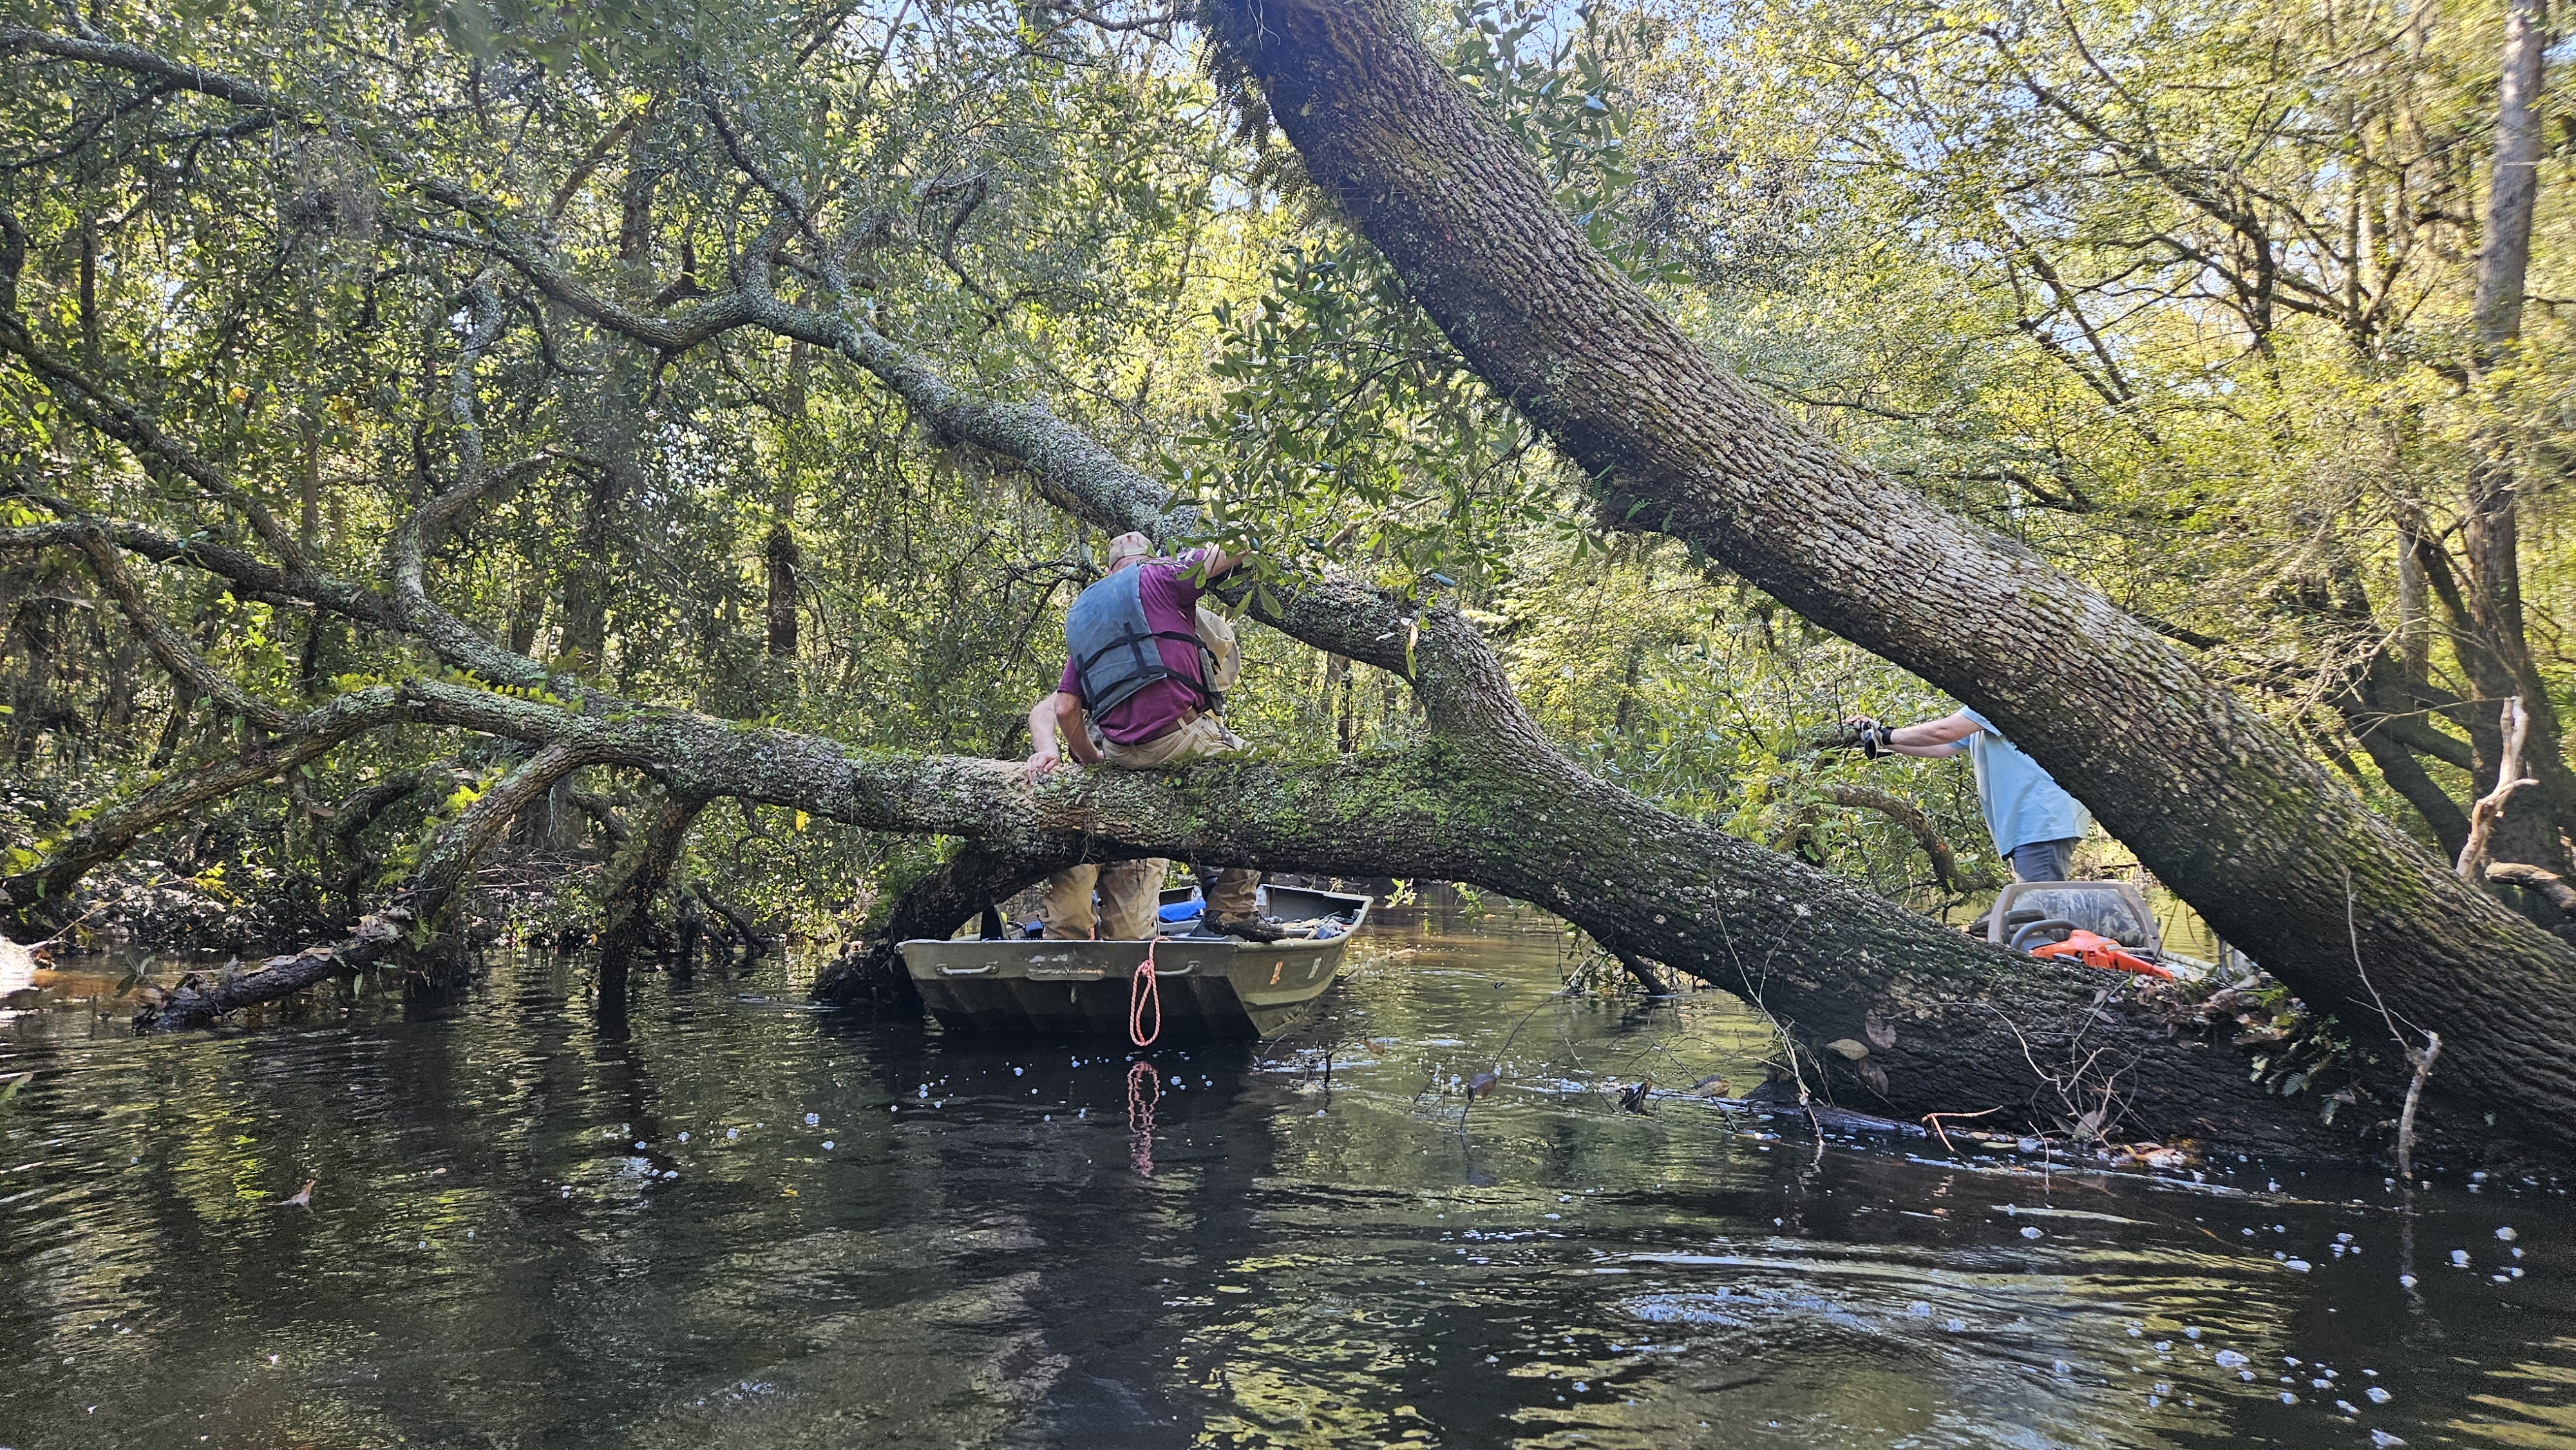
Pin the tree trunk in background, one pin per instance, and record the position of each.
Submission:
(783, 557)
(2494, 650)
(2414, 624)
(2221, 804)
(610, 429)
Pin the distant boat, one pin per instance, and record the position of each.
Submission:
(1208, 986)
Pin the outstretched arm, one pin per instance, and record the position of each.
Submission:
(1945, 736)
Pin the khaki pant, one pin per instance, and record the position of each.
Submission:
(1130, 891)
(1130, 894)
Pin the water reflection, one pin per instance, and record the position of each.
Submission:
(739, 1222)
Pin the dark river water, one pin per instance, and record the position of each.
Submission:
(750, 1224)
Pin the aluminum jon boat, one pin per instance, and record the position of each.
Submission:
(1207, 986)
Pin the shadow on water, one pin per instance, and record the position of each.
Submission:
(729, 1220)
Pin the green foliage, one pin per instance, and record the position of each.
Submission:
(2010, 270)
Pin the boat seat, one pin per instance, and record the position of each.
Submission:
(2113, 909)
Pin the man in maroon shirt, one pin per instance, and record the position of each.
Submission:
(1134, 644)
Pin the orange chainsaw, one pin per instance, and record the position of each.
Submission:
(2101, 951)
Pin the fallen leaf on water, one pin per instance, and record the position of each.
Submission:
(1482, 1083)
(303, 1196)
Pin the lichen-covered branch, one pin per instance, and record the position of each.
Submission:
(635, 876)
(413, 914)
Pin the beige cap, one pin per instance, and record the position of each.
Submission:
(1127, 547)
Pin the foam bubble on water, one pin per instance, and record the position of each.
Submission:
(813, 1118)
(2230, 1359)
(2377, 1395)
(2382, 1440)
(2459, 1258)
(2030, 1233)
(2297, 1266)
(2506, 1235)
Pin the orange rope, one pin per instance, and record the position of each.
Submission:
(1144, 991)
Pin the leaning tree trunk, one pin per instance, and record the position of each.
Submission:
(2489, 636)
(643, 863)
(2222, 805)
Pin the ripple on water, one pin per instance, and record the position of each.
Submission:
(527, 1231)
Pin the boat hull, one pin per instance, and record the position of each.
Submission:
(1208, 986)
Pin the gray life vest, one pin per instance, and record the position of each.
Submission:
(1114, 648)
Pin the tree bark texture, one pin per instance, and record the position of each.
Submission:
(643, 863)
(783, 559)
(2491, 641)
(2220, 803)
(433, 884)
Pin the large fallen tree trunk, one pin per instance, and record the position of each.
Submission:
(1949, 1024)
(2224, 806)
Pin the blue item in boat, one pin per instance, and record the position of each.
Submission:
(1182, 911)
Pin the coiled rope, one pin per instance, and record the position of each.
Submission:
(1143, 991)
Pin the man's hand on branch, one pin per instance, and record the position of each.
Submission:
(1040, 764)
